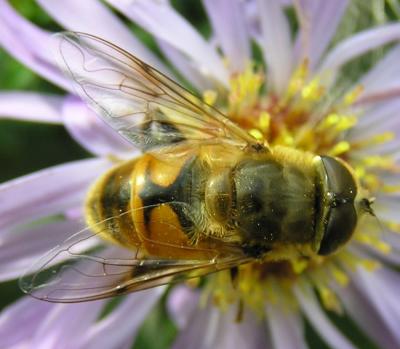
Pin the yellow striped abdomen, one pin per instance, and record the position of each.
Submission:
(144, 202)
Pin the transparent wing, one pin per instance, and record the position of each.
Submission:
(139, 102)
(85, 267)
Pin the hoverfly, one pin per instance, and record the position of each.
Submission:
(204, 196)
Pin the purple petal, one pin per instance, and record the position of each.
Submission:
(19, 321)
(92, 133)
(393, 239)
(365, 315)
(318, 23)
(161, 20)
(375, 120)
(375, 115)
(387, 207)
(91, 16)
(315, 315)
(357, 45)
(229, 25)
(122, 324)
(384, 75)
(211, 328)
(276, 43)
(29, 44)
(47, 192)
(286, 327)
(381, 289)
(20, 249)
(63, 327)
(182, 302)
(390, 149)
(31, 106)
(186, 67)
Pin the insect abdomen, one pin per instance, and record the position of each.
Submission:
(146, 202)
(108, 206)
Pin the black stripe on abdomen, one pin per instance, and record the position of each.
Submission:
(175, 195)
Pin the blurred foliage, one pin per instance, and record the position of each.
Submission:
(27, 147)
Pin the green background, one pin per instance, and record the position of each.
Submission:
(27, 147)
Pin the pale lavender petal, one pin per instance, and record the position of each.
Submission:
(47, 192)
(29, 44)
(210, 328)
(182, 302)
(230, 28)
(387, 207)
(122, 324)
(318, 23)
(92, 133)
(393, 239)
(186, 67)
(390, 149)
(253, 21)
(20, 249)
(365, 315)
(19, 321)
(378, 115)
(91, 16)
(357, 45)
(381, 289)
(381, 119)
(31, 106)
(384, 75)
(390, 238)
(286, 327)
(276, 44)
(315, 315)
(390, 178)
(63, 327)
(161, 20)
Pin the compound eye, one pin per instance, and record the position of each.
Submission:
(342, 221)
(340, 180)
(341, 218)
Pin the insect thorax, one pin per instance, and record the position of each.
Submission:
(275, 200)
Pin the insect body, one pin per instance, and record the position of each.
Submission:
(261, 202)
(204, 196)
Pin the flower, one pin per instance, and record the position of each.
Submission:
(309, 104)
